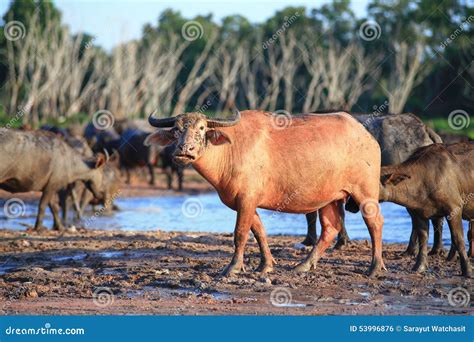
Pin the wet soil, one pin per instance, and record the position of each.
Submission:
(117, 272)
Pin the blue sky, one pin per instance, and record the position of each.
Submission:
(112, 22)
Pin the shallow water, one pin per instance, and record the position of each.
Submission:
(206, 213)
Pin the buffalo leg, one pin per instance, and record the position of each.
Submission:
(245, 217)
(76, 204)
(179, 171)
(438, 248)
(62, 194)
(54, 207)
(421, 260)
(470, 236)
(411, 249)
(311, 235)
(169, 177)
(330, 226)
(44, 201)
(342, 237)
(455, 226)
(152, 173)
(258, 230)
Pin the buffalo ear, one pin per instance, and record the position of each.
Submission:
(100, 160)
(114, 158)
(394, 178)
(217, 137)
(161, 137)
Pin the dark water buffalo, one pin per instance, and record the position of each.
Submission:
(254, 163)
(398, 136)
(436, 181)
(133, 153)
(110, 186)
(41, 161)
(129, 144)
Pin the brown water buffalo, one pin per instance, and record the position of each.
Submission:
(436, 181)
(252, 162)
(399, 135)
(41, 161)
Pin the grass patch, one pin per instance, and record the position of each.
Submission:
(442, 124)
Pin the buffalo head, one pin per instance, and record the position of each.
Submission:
(191, 133)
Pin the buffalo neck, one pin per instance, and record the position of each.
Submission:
(215, 165)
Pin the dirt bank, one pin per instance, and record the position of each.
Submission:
(114, 272)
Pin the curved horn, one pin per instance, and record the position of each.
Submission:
(166, 122)
(107, 157)
(212, 123)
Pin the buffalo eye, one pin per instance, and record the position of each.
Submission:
(201, 128)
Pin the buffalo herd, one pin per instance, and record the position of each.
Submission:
(318, 164)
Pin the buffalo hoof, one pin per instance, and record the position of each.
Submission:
(305, 266)
(58, 228)
(309, 241)
(376, 267)
(420, 267)
(437, 251)
(233, 268)
(341, 243)
(266, 265)
(264, 268)
(37, 229)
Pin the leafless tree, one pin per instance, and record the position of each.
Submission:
(202, 68)
(407, 73)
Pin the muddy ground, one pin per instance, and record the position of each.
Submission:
(117, 272)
